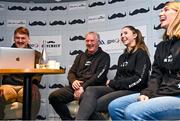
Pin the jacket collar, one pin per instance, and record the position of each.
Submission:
(14, 46)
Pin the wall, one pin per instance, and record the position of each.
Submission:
(95, 15)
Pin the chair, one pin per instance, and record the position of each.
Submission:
(14, 110)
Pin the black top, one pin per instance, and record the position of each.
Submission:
(92, 69)
(132, 72)
(165, 77)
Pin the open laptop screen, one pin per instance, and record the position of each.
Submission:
(16, 58)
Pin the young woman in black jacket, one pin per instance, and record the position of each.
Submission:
(131, 76)
(161, 100)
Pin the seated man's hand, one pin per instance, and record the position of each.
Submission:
(76, 84)
(107, 83)
(78, 93)
(143, 98)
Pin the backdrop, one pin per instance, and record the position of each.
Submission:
(63, 26)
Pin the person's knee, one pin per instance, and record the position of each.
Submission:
(52, 98)
(111, 107)
(90, 90)
(10, 95)
(132, 113)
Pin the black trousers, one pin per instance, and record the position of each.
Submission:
(59, 98)
(97, 99)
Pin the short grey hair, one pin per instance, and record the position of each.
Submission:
(94, 33)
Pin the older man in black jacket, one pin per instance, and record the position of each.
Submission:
(89, 69)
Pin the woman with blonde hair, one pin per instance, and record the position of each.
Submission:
(161, 99)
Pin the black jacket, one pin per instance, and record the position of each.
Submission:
(17, 79)
(165, 76)
(132, 72)
(92, 69)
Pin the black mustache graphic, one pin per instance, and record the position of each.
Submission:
(116, 15)
(102, 42)
(56, 86)
(79, 21)
(35, 23)
(1, 23)
(41, 86)
(114, 67)
(141, 10)
(114, 1)
(37, 8)
(160, 6)
(58, 8)
(17, 8)
(57, 23)
(75, 52)
(77, 38)
(41, 117)
(50, 42)
(96, 4)
(158, 27)
(1, 39)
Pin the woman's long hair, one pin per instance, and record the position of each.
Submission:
(174, 28)
(139, 39)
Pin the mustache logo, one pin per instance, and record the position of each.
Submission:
(50, 42)
(114, 1)
(41, 86)
(37, 8)
(102, 42)
(54, 23)
(58, 8)
(157, 27)
(114, 67)
(39, 117)
(1, 39)
(96, 4)
(77, 38)
(56, 86)
(75, 52)
(35, 23)
(141, 10)
(160, 6)
(78, 21)
(1, 23)
(118, 15)
(16, 8)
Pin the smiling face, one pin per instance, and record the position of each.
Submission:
(21, 40)
(21, 37)
(128, 37)
(92, 43)
(167, 16)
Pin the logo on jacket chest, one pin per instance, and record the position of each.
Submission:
(124, 64)
(88, 63)
(168, 59)
(178, 85)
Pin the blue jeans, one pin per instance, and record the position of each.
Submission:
(159, 108)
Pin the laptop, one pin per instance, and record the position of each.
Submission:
(16, 58)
